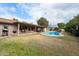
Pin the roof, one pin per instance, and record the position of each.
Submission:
(3, 20)
(29, 24)
(11, 21)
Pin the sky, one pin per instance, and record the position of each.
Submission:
(30, 12)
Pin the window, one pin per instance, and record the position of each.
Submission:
(5, 26)
(5, 30)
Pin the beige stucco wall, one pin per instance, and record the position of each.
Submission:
(10, 29)
(45, 30)
(1, 29)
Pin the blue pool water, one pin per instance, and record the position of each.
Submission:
(53, 34)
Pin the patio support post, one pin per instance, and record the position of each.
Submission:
(18, 28)
(35, 28)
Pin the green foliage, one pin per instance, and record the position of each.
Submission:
(73, 22)
(43, 22)
(71, 25)
(31, 45)
(61, 25)
(15, 19)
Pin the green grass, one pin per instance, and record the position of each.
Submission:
(45, 46)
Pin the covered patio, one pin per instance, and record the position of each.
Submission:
(23, 27)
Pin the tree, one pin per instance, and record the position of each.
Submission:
(61, 25)
(15, 19)
(73, 22)
(73, 25)
(43, 22)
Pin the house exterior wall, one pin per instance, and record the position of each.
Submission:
(11, 28)
(45, 30)
(1, 29)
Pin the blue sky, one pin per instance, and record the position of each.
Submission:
(31, 12)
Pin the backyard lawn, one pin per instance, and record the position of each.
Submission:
(39, 45)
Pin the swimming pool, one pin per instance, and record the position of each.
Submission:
(52, 34)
